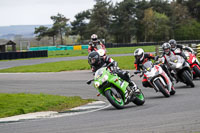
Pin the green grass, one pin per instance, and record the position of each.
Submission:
(84, 52)
(124, 62)
(21, 103)
(126, 50)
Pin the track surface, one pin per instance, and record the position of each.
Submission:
(179, 113)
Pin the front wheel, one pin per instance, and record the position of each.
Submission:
(197, 71)
(115, 99)
(162, 89)
(188, 78)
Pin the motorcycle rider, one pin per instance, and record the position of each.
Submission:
(167, 53)
(96, 61)
(94, 42)
(175, 46)
(141, 58)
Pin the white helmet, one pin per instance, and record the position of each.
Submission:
(139, 54)
(94, 37)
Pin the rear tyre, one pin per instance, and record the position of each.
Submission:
(188, 78)
(197, 71)
(139, 98)
(162, 89)
(115, 100)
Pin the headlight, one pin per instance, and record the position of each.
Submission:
(96, 84)
(105, 78)
(149, 69)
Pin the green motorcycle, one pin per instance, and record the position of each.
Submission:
(115, 89)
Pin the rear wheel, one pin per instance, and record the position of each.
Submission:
(197, 71)
(162, 89)
(188, 78)
(115, 98)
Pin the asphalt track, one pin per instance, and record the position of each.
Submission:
(178, 114)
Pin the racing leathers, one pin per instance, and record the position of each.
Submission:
(138, 65)
(95, 46)
(105, 61)
(165, 60)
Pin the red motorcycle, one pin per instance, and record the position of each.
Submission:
(193, 62)
(100, 49)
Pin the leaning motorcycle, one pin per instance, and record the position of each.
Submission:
(116, 90)
(100, 50)
(158, 79)
(193, 62)
(181, 70)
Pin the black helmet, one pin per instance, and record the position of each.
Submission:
(166, 48)
(94, 58)
(173, 44)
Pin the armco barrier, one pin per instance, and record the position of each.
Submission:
(198, 50)
(20, 55)
(84, 46)
(59, 47)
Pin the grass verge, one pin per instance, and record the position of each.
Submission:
(84, 52)
(21, 103)
(124, 62)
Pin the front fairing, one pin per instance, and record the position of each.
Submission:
(103, 80)
(176, 62)
(151, 70)
(156, 72)
(191, 58)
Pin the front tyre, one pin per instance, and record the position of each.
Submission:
(188, 78)
(114, 99)
(197, 71)
(162, 89)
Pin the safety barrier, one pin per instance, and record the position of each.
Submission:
(60, 47)
(20, 55)
(198, 50)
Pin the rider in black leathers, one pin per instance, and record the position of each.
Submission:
(96, 62)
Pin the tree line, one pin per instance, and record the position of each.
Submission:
(130, 21)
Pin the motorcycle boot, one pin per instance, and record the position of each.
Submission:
(172, 92)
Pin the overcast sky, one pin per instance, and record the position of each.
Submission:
(38, 12)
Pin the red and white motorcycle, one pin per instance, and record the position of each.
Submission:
(158, 79)
(100, 50)
(193, 62)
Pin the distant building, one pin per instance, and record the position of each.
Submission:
(4, 44)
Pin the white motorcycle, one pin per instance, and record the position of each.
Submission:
(181, 70)
(158, 79)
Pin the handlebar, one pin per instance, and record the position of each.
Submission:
(89, 81)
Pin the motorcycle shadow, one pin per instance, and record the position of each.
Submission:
(155, 97)
(111, 108)
(183, 87)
